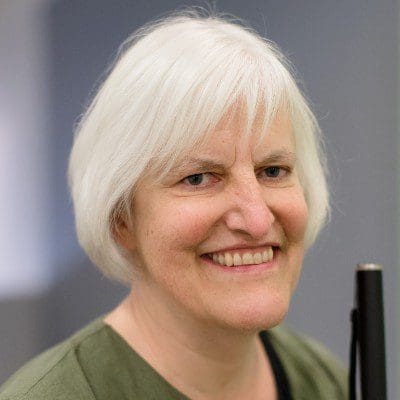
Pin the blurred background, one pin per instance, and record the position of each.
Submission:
(52, 54)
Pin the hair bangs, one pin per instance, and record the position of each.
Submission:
(257, 93)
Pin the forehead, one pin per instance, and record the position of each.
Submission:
(231, 138)
(231, 132)
(237, 117)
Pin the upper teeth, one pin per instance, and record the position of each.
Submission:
(234, 259)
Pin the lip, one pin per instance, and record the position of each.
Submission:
(253, 269)
(242, 247)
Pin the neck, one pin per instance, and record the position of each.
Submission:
(201, 360)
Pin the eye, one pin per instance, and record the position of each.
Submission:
(199, 180)
(195, 179)
(274, 172)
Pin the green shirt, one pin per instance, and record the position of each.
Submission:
(97, 364)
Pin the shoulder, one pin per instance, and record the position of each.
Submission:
(54, 374)
(312, 370)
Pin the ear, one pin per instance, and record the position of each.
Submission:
(123, 233)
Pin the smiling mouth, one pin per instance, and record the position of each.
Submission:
(233, 259)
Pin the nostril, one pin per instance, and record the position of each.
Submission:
(249, 213)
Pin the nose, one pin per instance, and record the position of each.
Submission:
(249, 211)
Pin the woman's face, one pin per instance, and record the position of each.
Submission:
(232, 200)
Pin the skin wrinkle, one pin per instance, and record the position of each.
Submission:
(204, 357)
(205, 165)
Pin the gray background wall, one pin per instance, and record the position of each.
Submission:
(347, 54)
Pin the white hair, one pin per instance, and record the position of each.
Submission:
(173, 81)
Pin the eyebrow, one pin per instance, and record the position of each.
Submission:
(200, 164)
(283, 155)
(205, 164)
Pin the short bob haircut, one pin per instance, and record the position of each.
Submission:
(172, 82)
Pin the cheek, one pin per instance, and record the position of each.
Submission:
(182, 224)
(293, 215)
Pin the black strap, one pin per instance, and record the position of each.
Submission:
(281, 380)
(353, 354)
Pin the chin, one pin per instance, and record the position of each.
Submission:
(253, 317)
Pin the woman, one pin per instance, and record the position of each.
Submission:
(197, 178)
